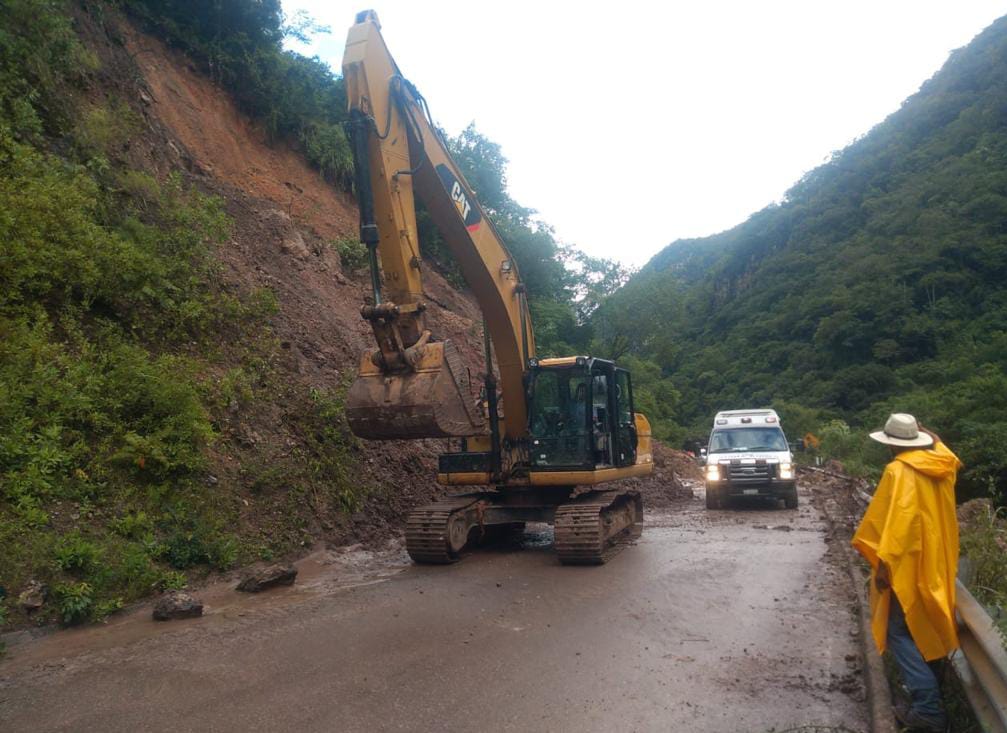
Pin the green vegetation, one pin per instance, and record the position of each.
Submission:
(876, 286)
(984, 543)
(121, 352)
(352, 253)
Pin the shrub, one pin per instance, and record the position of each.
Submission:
(105, 608)
(352, 253)
(173, 580)
(133, 526)
(326, 147)
(39, 54)
(74, 554)
(859, 455)
(134, 573)
(101, 129)
(75, 415)
(183, 549)
(75, 602)
(223, 552)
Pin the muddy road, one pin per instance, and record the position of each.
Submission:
(728, 621)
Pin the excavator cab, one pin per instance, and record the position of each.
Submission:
(580, 415)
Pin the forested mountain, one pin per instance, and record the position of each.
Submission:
(877, 284)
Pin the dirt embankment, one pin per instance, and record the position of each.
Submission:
(285, 219)
(286, 215)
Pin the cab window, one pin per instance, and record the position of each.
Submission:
(559, 403)
(747, 440)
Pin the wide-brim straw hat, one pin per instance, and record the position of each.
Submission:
(903, 431)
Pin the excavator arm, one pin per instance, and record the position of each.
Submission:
(414, 385)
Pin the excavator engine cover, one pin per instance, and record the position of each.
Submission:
(432, 400)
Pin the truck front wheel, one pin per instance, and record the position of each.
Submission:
(713, 499)
(790, 499)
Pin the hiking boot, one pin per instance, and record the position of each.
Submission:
(917, 721)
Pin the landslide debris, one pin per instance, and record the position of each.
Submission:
(664, 487)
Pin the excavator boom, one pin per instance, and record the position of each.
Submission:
(413, 386)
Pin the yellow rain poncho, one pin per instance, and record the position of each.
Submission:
(911, 526)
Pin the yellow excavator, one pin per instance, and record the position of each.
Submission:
(538, 440)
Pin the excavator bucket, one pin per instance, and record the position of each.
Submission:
(434, 400)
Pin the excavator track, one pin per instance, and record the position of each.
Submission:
(595, 526)
(436, 533)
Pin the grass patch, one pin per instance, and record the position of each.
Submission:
(983, 540)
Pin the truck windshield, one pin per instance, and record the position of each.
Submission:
(747, 439)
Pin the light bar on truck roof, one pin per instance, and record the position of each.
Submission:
(770, 419)
(721, 421)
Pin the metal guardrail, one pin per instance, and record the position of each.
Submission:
(981, 662)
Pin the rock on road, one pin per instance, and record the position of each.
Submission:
(715, 621)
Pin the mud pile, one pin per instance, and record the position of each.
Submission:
(665, 487)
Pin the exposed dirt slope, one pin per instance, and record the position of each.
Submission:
(226, 145)
(286, 215)
(285, 219)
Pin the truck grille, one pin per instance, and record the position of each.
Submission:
(758, 473)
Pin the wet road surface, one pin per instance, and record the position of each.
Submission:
(726, 621)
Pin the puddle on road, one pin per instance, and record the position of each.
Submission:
(351, 566)
(537, 536)
(323, 572)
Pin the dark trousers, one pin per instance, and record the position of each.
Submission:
(924, 689)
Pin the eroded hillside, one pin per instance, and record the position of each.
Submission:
(279, 470)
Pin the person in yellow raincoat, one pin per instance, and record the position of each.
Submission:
(909, 535)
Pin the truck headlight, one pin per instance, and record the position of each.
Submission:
(713, 472)
(786, 470)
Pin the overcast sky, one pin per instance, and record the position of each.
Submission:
(629, 125)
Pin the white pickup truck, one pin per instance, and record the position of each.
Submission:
(748, 455)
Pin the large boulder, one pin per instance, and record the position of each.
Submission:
(33, 596)
(177, 604)
(268, 577)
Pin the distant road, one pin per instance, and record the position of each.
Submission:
(716, 621)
